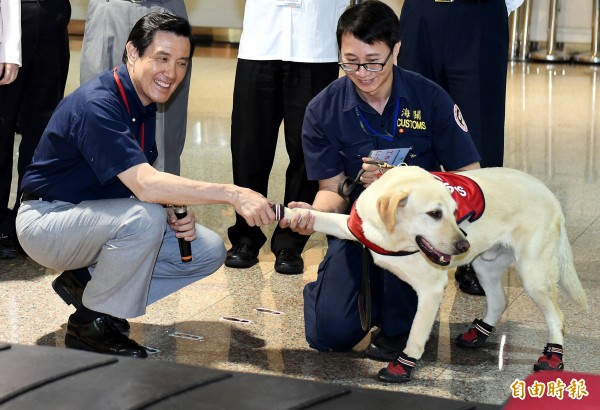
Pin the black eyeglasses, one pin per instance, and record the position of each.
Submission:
(372, 67)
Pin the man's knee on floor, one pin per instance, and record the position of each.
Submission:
(333, 336)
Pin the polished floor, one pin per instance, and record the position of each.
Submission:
(251, 320)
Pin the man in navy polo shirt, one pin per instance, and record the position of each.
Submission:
(92, 201)
(376, 106)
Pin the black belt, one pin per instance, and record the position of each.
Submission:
(29, 197)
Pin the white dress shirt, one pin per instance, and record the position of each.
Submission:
(10, 31)
(292, 30)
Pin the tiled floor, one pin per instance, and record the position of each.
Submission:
(551, 133)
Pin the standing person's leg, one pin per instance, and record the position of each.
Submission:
(171, 117)
(494, 65)
(421, 45)
(107, 28)
(301, 82)
(10, 97)
(46, 80)
(255, 120)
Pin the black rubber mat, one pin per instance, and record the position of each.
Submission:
(35, 377)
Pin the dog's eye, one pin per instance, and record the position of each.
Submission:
(437, 214)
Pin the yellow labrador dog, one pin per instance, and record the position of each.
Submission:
(509, 218)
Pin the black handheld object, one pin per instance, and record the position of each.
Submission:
(185, 247)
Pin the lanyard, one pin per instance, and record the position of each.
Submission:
(124, 98)
(370, 131)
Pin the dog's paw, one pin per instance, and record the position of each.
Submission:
(399, 370)
(551, 359)
(476, 336)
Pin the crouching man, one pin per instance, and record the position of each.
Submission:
(93, 205)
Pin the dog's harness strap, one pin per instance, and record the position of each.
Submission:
(364, 296)
(356, 228)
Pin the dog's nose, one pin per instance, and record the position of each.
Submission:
(463, 245)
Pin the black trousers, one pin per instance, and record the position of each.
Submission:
(38, 88)
(463, 46)
(265, 94)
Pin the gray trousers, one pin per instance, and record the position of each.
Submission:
(107, 28)
(133, 255)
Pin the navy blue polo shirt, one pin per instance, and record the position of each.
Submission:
(340, 127)
(90, 139)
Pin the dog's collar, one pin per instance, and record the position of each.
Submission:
(356, 228)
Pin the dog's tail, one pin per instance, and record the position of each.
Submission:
(568, 279)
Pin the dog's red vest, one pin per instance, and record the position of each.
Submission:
(466, 193)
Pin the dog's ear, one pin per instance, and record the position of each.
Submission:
(387, 205)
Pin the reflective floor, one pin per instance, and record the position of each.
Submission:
(552, 132)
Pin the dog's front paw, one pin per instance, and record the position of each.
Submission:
(551, 359)
(399, 370)
(476, 336)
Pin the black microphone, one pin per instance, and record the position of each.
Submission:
(185, 247)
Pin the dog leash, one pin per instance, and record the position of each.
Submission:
(345, 188)
(348, 184)
(364, 295)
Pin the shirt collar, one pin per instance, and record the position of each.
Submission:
(352, 99)
(135, 103)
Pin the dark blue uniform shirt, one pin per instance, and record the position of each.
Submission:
(90, 139)
(340, 128)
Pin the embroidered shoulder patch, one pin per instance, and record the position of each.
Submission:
(458, 117)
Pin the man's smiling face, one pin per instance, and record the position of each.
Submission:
(156, 74)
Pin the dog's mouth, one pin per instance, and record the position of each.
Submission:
(433, 254)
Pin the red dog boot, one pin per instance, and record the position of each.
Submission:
(476, 336)
(399, 370)
(551, 359)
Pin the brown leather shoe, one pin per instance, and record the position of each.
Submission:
(101, 336)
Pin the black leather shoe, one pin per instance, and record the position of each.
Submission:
(386, 348)
(241, 255)
(289, 261)
(70, 289)
(467, 280)
(101, 336)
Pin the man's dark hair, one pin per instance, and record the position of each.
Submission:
(370, 21)
(142, 34)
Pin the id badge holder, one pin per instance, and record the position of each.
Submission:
(392, 156)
